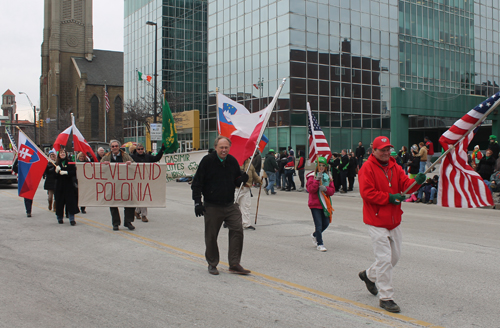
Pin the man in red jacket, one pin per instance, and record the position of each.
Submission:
(381, 183)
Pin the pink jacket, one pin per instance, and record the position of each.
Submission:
(312, 187)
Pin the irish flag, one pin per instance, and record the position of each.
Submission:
(144, 77)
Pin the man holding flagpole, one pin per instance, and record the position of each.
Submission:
(381, 183)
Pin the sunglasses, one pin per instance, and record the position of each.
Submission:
(140, 148)
(115, 146)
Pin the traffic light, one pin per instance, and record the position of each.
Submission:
(36, 123)
(41, 123)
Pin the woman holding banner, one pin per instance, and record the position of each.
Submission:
(320, 187)
(66, 192)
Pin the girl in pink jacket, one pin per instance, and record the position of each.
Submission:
(320, 187)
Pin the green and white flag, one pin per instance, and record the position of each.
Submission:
(169, 132)
(143, 77)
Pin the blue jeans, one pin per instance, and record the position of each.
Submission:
(422, 167)
(283, 181)
(488, 183)
(277, 179)
(270, 176)
(360, 161)
(321, 222)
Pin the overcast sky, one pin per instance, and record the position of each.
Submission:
(21, 36)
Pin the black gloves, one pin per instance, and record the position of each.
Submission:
(242, 179)
(199, 209)
(162, 148)
(396, 199)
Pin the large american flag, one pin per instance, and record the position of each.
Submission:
(106, 98)
(318, 146)
(459, 185)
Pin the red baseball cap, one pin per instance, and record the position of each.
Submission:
(381, 142)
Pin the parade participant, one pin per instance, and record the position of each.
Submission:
(381, 182)
(271, 169)
(116, 155)
(320, 187)
(423, 157)
(343, 167)
(290, 171)
(301, 168)
(352, 170)
(100, 153)
(430, 151)
(476, 156)
(139, 156)
(50, 180)
(493, 145)
(28, 203)
(66, 194)
(257, 163)
(82, 158)
(360, 154)
(216, 177)
(243, 198)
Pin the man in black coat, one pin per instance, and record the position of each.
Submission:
(343, 167)
(140, 156)
(360, 154)
(486, 165)
(216, 178)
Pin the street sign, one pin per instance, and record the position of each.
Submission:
(155, 131)
(47, 120)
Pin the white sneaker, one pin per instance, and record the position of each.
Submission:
(300, 189)
(315, 242)
(321, 248)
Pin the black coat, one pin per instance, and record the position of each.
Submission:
(146, 158)
(353, 164)
(50, 177)
(485, 167)
(414, 166)
(360, 152)
(66, 192)
(257, 163)
(495, 148)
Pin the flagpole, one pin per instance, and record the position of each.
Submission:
(217, 108)
(105, 116)
(488, 112)
(136, 86)
(264, 124)
(311, 128)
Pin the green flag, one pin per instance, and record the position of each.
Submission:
(169, 132)
(140, 75)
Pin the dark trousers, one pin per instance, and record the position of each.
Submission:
(301, 177)
(343, 179)
(350, 178)
(360, 161)
(214, 217)
(28, 203)
(321, 222)
(290, 184)
(128, 214)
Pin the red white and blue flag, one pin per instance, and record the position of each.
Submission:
(459, 185)
(31, 166)
(228, 108)
(318, 146)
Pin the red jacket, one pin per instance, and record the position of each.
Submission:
(374, 189)
(312, 187)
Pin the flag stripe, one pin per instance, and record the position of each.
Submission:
(318, 146)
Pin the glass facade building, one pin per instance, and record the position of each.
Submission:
(366, 67)
(181, 52)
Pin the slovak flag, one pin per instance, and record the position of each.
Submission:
(31, 166)
(228, 108)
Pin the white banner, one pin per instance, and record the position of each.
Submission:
(182, 164)
(119, 184)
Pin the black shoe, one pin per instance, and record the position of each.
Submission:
(418, 200)
(238, 269)
(130, 226)
(84, 212)
(60, 221)
(28, 215)
(390, 306)
(343, 191)
(372, 288)
(73, 223)
(287, 190)
(115, 228)
(273, 192)
(250, 228)
(213, 270)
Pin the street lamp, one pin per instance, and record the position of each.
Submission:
(155, 67)
(34, 112)
(57, 118)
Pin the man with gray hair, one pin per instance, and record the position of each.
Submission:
(140, 156)
(217, 176)
(100, 153)
(116, 155)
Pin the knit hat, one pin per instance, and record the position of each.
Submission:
(321, 160)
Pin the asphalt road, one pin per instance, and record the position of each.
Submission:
(55, 275)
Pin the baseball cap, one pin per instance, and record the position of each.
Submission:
(381, 142)
(271, 150)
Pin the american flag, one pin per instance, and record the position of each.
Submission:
(459, 185)
(318, 146)
(106, 98)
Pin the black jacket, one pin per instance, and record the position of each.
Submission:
(270, 164)
(413, 164)
(257, 163)
(66, 192)
(216, 180)
(344, 162)
(147, 158)
(360, 152)
(485, 167)
(495, 148)
(50, 177)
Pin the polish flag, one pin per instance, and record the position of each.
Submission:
(62, 139)
(80, 144)
(1, 144)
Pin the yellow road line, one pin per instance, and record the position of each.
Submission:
(338, 303)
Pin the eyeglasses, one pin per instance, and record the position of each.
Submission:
(115, 146)
(140, 148)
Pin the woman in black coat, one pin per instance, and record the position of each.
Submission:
(66, 191)
(352, 170)
(50, 180)
(413, 162)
